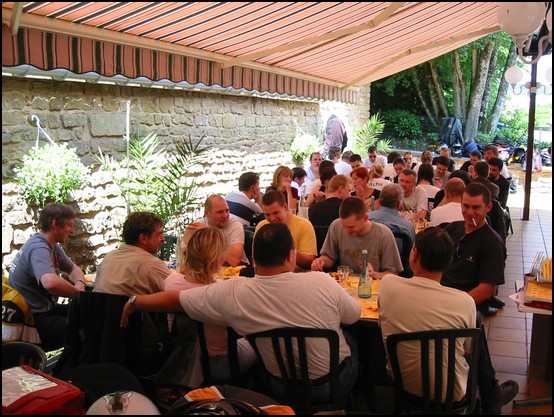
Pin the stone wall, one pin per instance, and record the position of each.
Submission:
(246, 133)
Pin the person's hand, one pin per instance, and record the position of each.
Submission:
(128, 309)
(80, 285)
(360, 191)
(437, 182)
(317, 264)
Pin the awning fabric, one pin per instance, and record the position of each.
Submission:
(47, 51)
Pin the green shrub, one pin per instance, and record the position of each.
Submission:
(402, 125)
(49, 174)
(302, 146)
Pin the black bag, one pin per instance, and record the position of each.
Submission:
(223, 406)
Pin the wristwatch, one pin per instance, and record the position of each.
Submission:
(132, 300)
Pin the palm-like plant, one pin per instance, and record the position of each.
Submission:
(368, 136)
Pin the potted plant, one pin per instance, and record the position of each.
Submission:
(302, 146)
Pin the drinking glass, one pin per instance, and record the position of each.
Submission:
(343, 272)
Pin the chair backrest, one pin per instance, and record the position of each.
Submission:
(232, 355)
(432, 360)
(404, 246)
(168, 248)
(248, 243)
(320, 235)
(23, 353)
(289, 348)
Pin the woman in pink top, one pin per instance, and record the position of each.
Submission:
(202, 257)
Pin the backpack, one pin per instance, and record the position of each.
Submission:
(498, 218)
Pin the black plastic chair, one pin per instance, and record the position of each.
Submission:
(248, 242)
(290, 353)
(404, 245)
(23, 353)
(444, 341)
(320, 235)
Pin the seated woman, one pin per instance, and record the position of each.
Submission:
(360, 178)
(318, 186)
(282, 179)
(202, 257)
(425, 177)
(376, 179)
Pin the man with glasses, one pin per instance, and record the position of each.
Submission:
(373, 158)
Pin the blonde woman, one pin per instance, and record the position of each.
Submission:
(376, 179)
(360, 179)
(282, 179)
(202, 257)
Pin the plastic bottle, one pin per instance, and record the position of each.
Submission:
(364, 287)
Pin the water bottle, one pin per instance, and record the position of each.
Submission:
(364, 286)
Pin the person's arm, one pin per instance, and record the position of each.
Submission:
(482, 292)
(321, 263)
(165, 301)
(234, 256)
(76, 274)
(56, 285)
(304, 260)
(191, 228)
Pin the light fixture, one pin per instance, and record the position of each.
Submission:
(514, 75)
(521, 21)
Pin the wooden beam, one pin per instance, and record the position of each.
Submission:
(477, 34)
(385, 14)
(16, 14)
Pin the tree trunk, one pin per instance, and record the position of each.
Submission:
(477, 91)
(432, 94)
(487, 93)
(438, 89)
(462, 83)
(421, 96)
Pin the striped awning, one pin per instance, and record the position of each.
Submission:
(306, 49)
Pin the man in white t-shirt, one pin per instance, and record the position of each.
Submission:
(343, 166)
(452, 210)
(373, 158)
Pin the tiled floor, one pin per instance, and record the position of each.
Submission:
(509, 331)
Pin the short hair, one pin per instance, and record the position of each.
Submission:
(272, 244)
(463, 175)
(425, 172)
(442, 160)
(390, 196)
(209, 203)
(497, 162)
(203, 252)
(355, 157)
(352, 205)
(346, 155)
(399, 160)
(392, 156)
(137, 223)
(279, 172)
(53, 211)
(491, 147)
(408, 171)
(476, 153)
(482, 169)
(475, 189)
(298, 172)
(325, 164)
(371, 149)
(326, 174)
(273, 196)
(455, 187)
(435, 248)
(376, 171)
(361, 172)
(336, 182)
(247, 180)
(314, 153)
(334, 151)
(426, 157)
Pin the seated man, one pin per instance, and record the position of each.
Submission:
(133, 268)
(445, 152)
(216, 214)
(414, 199)
(35, 274)
(422, 303)
(495, 176)
(240, 203)
(275, 298)
(451, 210)
(351, 233)
(276, 211)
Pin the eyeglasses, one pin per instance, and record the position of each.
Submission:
(459, 249)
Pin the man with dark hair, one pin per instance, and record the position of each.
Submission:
(481, 175)
(422, 303)
(388, 169)
(445, 152)
(373, 158)
(313, 170)
(474, 156)
(491, 151)
(133, 268)
(276, 211)
(351, 233)
(495, 176)
(275, 298)
(355, 161)
(441, 172)
(244, 204)
(35, 274)
(399, 165)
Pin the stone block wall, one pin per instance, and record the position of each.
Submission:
(246, 133)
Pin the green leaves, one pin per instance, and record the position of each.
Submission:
(50, 174)
(367, 136)
(302, 146)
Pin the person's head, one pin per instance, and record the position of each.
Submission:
(476, 203)
(325, 165)
(425, 173)
(281, 177)
(346, 156)
(391, 196)
(376, 171)
(143, 229)
(454, 189)
(274, 246)
(355, 161)
(392, 156)
(407, 180)
(360, 176)
(315, 160)
(299, 175)
(475, 156)
(353, 215)
(340, 186)
(482, 169)
(433, 249)
(275, 207)
(334, 153)
(326, 174)
(441, 165)
(463, 175)
(426, 157)
(445, 151)
(58, 219)
(490, 151)
(372, 153)
(248, 180)
(408, 157)
(216, 211)
(204, 254)
(398, 164)
(495, 168)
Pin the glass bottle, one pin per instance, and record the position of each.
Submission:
(364, 286)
